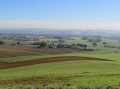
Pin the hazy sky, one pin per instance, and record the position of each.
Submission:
(60, 13)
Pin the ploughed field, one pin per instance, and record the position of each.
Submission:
(15, 53)
(32, 50)
(45, 60)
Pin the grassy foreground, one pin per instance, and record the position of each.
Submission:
(75, 73)
(67, 73)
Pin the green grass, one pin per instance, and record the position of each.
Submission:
(81, 73)
(78, 73)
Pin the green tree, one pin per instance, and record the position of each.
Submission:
(94, 44)
(60, 45)
(18, 43)
(84, 46)
(44, 44)
(1, 43)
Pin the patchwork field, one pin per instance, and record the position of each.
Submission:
(64, 73)
(30, 66)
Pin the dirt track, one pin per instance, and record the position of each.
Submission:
(45, 60)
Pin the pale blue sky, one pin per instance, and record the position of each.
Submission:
(72, 11)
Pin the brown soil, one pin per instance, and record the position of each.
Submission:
(45, 60)
(35, 80)
(45, 81)
(14, 54)
(39, 50)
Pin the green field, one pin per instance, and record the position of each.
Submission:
(81, 73)
(67, 73)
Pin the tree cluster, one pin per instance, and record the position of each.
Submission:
(2, 42)
(44, 44)
(94, 40)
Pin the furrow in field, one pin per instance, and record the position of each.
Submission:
(46, 60)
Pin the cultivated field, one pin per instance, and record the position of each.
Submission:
(45, 60)
(31, 49)
(28, 66)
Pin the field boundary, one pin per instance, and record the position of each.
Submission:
(46, 60)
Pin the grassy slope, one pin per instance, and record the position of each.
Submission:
(83, 73)
(93, 73)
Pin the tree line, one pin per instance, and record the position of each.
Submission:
(45, 44)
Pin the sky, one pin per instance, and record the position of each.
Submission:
(61, 14)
